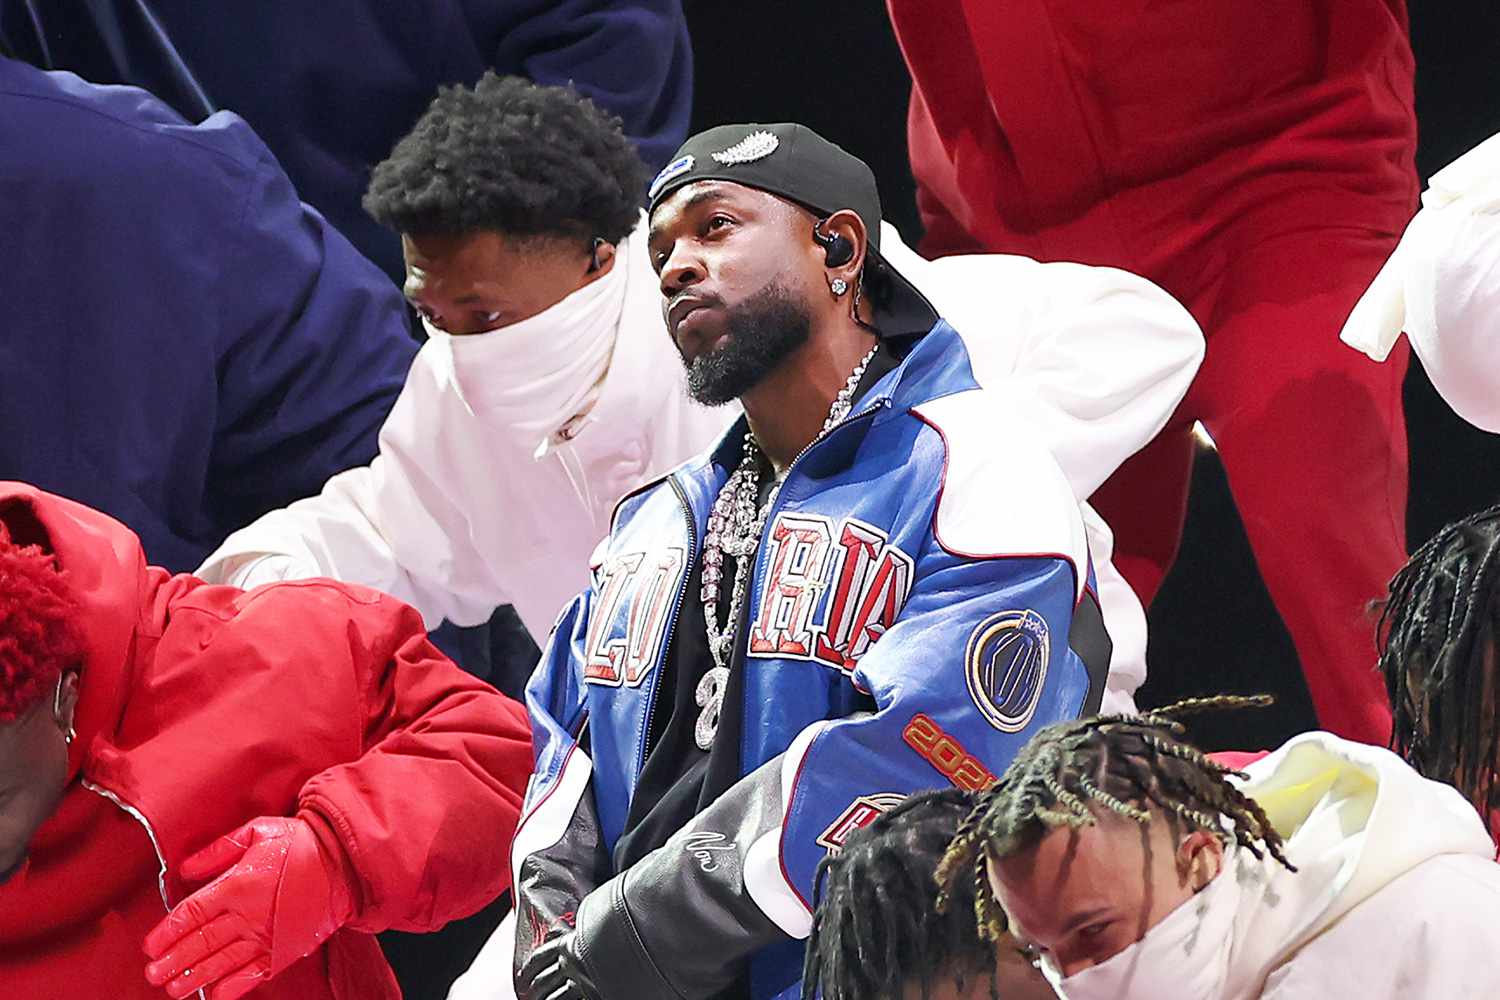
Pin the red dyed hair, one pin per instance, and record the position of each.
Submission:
(39, 637)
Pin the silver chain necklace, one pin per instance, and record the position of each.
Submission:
(734, 528)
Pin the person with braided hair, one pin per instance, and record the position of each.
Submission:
(876, 934)
(1136, 866)
(1437, 638)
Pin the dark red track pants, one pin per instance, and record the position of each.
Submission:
(1313, 441)
(1256, 160)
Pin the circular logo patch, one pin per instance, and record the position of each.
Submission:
(1006, 664)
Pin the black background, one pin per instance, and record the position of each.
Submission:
(835, 66)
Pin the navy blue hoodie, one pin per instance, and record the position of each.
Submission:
(330, 85)
(185, 345)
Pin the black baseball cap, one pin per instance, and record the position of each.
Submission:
(796, 163)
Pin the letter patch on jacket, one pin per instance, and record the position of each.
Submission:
(947, 754)
(830, 590)
(634, 595)
(859, 814)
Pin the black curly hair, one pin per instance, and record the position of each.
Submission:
(514, 157)
(875, 927)
(1128, 765)
(1439, 640)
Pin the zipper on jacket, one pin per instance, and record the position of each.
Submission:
(738, 655)
(139, 817)
(877, 406)
(666, 645)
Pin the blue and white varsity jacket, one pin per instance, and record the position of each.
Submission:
(926, 553)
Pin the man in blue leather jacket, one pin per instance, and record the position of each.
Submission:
(876, 582)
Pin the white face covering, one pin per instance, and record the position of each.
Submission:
(534, 376)
(1186, 955)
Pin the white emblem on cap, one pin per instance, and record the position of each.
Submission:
(755, 146)
(676, 168)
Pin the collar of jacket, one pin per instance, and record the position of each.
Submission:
(935, 364)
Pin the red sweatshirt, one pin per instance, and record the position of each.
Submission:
(1131, 133)
(203, 707)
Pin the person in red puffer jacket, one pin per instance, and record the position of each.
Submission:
(1256, 160)
(207, 791)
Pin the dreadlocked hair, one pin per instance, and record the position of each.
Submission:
(38, 635)
(1437, 641)
(1126, 764)
(875, 931)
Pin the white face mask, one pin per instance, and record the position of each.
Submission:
(536, 375)
(1186, 955)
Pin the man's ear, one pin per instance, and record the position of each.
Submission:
(1200, 857)
(601, 252)
(65, 702)
(847, 224)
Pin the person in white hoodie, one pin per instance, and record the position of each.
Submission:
(549, 386)
(1136, 867)
(543, 391)
(1441, 287)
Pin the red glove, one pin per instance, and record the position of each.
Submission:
(282, 888)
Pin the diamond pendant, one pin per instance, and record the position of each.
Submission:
(710, 695)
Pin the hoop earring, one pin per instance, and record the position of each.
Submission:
(839, 286)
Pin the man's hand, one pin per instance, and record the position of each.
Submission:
(556, 972)
(277, 893)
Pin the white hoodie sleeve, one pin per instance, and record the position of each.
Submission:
(1441, 286)
(1096, 358)
(1451, 273)
(394, 524)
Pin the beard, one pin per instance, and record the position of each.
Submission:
(762, 332)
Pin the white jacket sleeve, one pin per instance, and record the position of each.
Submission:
(1441, 286)
(392, 525)
(1096, 358)
(1454, 317)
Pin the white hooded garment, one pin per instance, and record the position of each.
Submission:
(1397, 894)
(1441, 286)
(473, 502)
(1396, 897)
